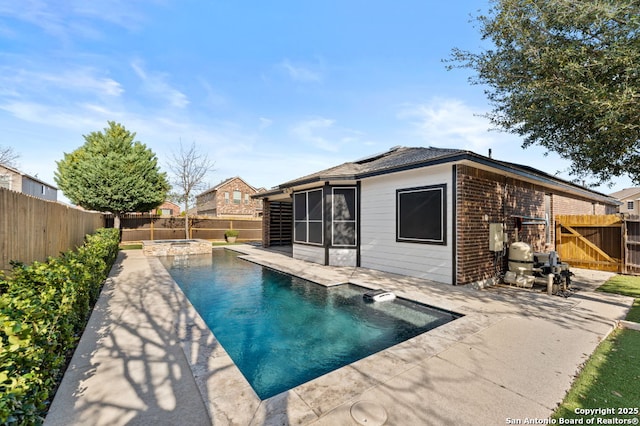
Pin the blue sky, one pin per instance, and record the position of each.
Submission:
(269, 90)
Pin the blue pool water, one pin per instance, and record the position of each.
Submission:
(282, 331)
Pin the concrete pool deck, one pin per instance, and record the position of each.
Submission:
(146, 356)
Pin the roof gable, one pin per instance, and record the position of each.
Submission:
(626, 193)
(395, 158)
(406, 158)
(224, 183)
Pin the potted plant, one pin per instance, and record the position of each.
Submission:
(230, 235)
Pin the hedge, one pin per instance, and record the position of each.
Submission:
(44, 308)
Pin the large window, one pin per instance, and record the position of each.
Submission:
(237, 197)
(421, 215)
(343, 213)
(307, 217)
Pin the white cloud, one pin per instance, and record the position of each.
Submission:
(322, 133)
(156, 85)
(452, 123)
(74, 117)
(265, 122)
(298, 72)
(70, 18)
(82, 80)
(310, 131)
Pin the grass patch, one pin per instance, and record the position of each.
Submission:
(625, 285)
(130, 246)
(609, 378)
(634, 312)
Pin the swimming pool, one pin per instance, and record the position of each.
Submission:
(282, 331)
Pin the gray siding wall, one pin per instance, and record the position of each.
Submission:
(38, 189)
(309, 253)
(379, 249)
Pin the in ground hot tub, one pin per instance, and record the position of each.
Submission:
(175, 247)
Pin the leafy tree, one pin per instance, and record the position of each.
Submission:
(112, 172)
(188, 168)
(565, 75)
(8, 156)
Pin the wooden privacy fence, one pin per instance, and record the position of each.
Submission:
(32, 229)
(139, 227)
(631, 239)
(598, 242)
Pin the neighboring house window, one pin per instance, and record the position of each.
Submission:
(237, 197)
(307, 217)
(246, 198)
(44, 190)
(226, 198)
(5, 181)
(343, 214)
(421, 214)
(629, 205)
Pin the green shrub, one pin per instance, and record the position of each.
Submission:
(231, 233)
(44, 308)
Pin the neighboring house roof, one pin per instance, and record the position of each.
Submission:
(170, 204)
(35, 179)
(223, 183)
(401, 158)
(626, 193)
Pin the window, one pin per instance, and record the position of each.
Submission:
(421, 215)
(307, 217)
(237, 197)
(343, 213)
(226, 198)
(629, 205)
(246, 198)
(5, 181)
(44, 190)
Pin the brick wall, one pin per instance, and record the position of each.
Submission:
(214, 202)
(483, 197)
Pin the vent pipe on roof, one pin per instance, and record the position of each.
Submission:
(489, 152)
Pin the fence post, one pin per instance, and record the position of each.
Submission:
(151, 227)
(624, 245)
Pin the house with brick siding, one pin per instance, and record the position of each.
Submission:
(230, 198)
(424, 212)
(629, 199)
(167, 208)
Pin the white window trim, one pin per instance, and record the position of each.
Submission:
(308, 221)
(354, 221)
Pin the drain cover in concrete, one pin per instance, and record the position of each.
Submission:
(368, 413)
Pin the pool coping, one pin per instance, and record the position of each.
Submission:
(513, 355)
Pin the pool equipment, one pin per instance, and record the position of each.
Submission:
(525, 266)
(378, 296)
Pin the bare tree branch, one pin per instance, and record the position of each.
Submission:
(8, 156)
(188, 168)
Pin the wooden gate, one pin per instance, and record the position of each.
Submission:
(632, 245)
(591, 241)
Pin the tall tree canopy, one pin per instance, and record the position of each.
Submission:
(565, 75)
(112, 172)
